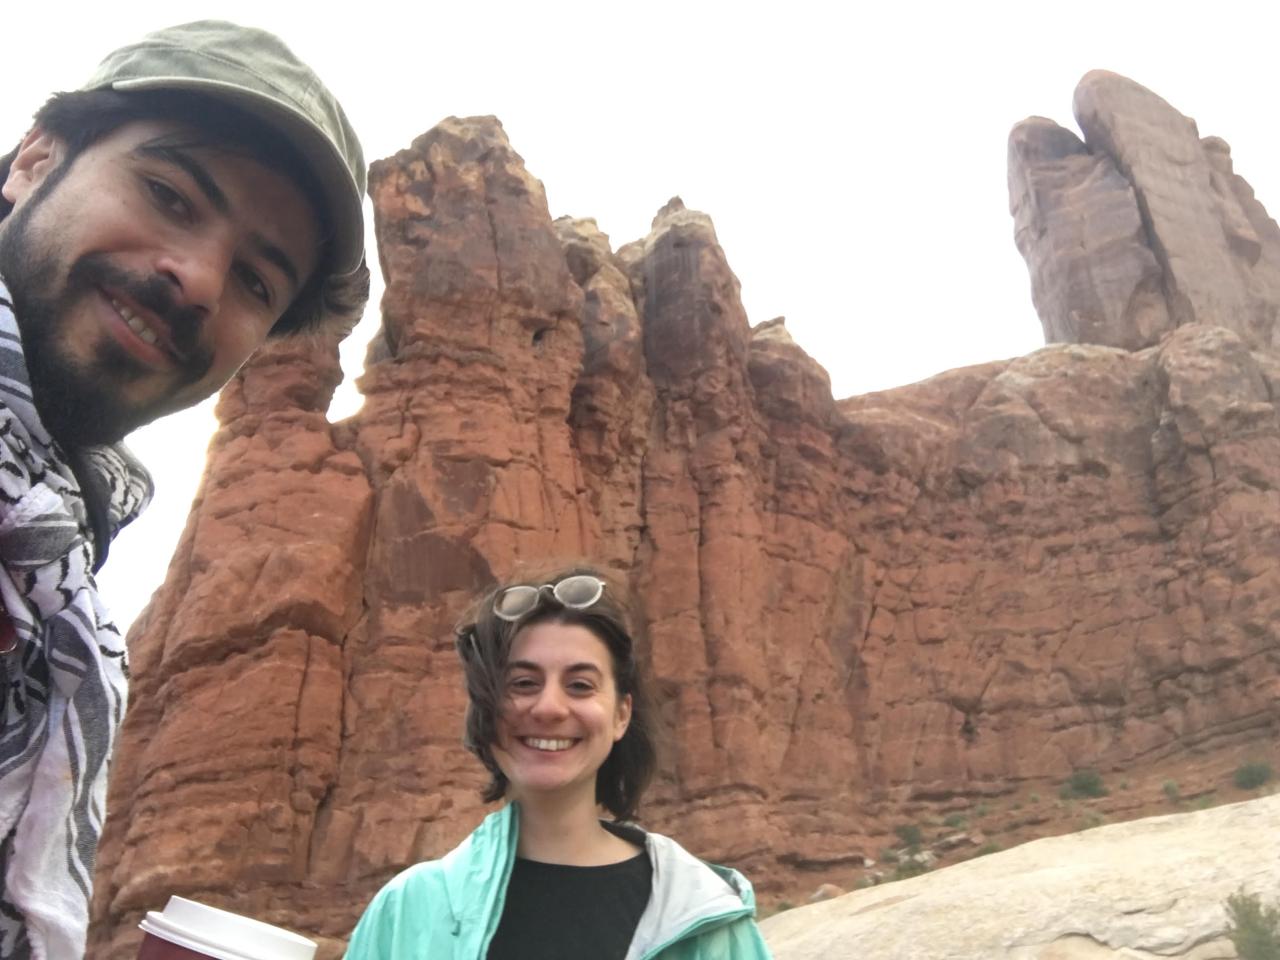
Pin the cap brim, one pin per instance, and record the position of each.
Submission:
(344, 198)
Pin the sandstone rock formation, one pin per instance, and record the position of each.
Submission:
(1143, 890)
(855, 612)
(1141, 227)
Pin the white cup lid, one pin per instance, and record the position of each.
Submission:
(223, 935)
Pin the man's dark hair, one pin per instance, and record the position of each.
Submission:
(82, 118)
(485, 647)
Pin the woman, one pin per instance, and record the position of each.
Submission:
(558, 717)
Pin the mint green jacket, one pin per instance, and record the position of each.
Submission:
(448, 909)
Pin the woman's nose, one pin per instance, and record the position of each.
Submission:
(550, 703)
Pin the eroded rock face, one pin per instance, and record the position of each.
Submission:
(1146, 889)
(238, 677)
(855, 612)
(1141, 227)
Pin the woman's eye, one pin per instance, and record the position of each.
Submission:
(168, 199)
(582, 687)
(522, 684)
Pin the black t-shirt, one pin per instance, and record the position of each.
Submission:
(556, 912)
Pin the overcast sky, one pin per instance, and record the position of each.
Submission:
(853, 163)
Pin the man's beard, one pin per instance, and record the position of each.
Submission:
(81, 401)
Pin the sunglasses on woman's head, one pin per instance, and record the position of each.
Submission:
(576, 593)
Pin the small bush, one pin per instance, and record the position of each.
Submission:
(909, 869)
(1083, 783)
(1034, 798)
(889, 855)
(783, 906)
(910, 834)
(982, 809)
(1253, 927)
(987, 848)
(1171, 791)
(955, 821)
(1252, 775)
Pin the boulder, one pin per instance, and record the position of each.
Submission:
(1142, 890)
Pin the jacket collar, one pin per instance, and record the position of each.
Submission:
(476, 873)
(688, 895)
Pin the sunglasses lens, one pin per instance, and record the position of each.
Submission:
(514, 602)
(578, 592)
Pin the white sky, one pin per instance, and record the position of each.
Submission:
(853, 162)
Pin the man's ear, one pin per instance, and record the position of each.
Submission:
(38, 154)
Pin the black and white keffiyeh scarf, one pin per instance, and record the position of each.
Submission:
(63, 686)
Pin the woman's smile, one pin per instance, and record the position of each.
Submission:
(546, 745)
(561, 713)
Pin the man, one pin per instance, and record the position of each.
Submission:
(201, 193)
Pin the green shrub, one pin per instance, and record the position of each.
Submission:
(1034, 798)
(889, 855)
(909, 869)
(1252, 775)
(987, 848)
(955, 821)
(982, 809)
(1171, 791)
(784, 905)
(1253, 927)
(1083, 783)
(910, 834)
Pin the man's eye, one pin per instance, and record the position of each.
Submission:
(169, 199)
(255, 284)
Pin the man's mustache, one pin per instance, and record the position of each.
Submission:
(155, 293)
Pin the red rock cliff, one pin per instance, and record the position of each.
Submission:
(949, 590)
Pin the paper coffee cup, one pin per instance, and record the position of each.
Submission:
(186, 930)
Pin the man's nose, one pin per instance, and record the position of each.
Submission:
(199, 270)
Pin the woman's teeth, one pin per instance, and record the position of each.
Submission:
(539, 744)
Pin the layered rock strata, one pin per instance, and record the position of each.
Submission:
(852, 610)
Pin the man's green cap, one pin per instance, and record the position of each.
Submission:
(254, 71)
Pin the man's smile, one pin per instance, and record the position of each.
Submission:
(157, 347)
